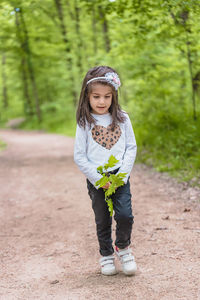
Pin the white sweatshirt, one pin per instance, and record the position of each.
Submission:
(93, 146)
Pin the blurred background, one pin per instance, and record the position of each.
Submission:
(47, 47)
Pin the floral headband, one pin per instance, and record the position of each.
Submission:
(110, 77)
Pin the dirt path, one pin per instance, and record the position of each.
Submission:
(48, 245)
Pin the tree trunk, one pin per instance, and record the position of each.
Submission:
(94, 30)
(30, 65)
(104, 28)
(28, 108)
(59, 8)
(47, 89)
(27, 100)
(79, 40)
(191, 75)
(4, 86)
(184, 15)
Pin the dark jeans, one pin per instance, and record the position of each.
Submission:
(123, 217)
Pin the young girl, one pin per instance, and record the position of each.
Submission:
(103, 129)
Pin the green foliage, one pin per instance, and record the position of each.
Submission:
(116, 181)
(171, 145)
(2, 145)
(158, 63)
(112, 161)
(60, 124)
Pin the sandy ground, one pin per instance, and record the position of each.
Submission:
(48, 244)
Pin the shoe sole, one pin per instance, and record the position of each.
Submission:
(109, 274)
(131, 272)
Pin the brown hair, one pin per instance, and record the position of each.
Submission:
(83, 113)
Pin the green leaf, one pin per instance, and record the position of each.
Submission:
(110, 190)
(112, 161)
(121, 175)
(110, 206)
(100, 170)
(115, 179)
(101, 182)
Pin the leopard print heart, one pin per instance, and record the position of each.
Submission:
(105, 136)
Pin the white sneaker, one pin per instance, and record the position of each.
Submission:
(107, 265)
(127, 260)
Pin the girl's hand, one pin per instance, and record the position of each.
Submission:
(106, 186)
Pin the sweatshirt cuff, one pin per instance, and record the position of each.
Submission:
(94, 180)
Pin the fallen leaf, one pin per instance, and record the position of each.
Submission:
(166, 218)
(161, 228)
(186, 210)
(54, 281)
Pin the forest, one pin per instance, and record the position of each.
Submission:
(47, 47)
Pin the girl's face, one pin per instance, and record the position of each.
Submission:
(100, 99)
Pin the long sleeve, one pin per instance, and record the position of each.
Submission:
(80, 156)
(130, 150)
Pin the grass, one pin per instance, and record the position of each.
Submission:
(179, 168)
(62, 125)
(2, 145)
(173, 148)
